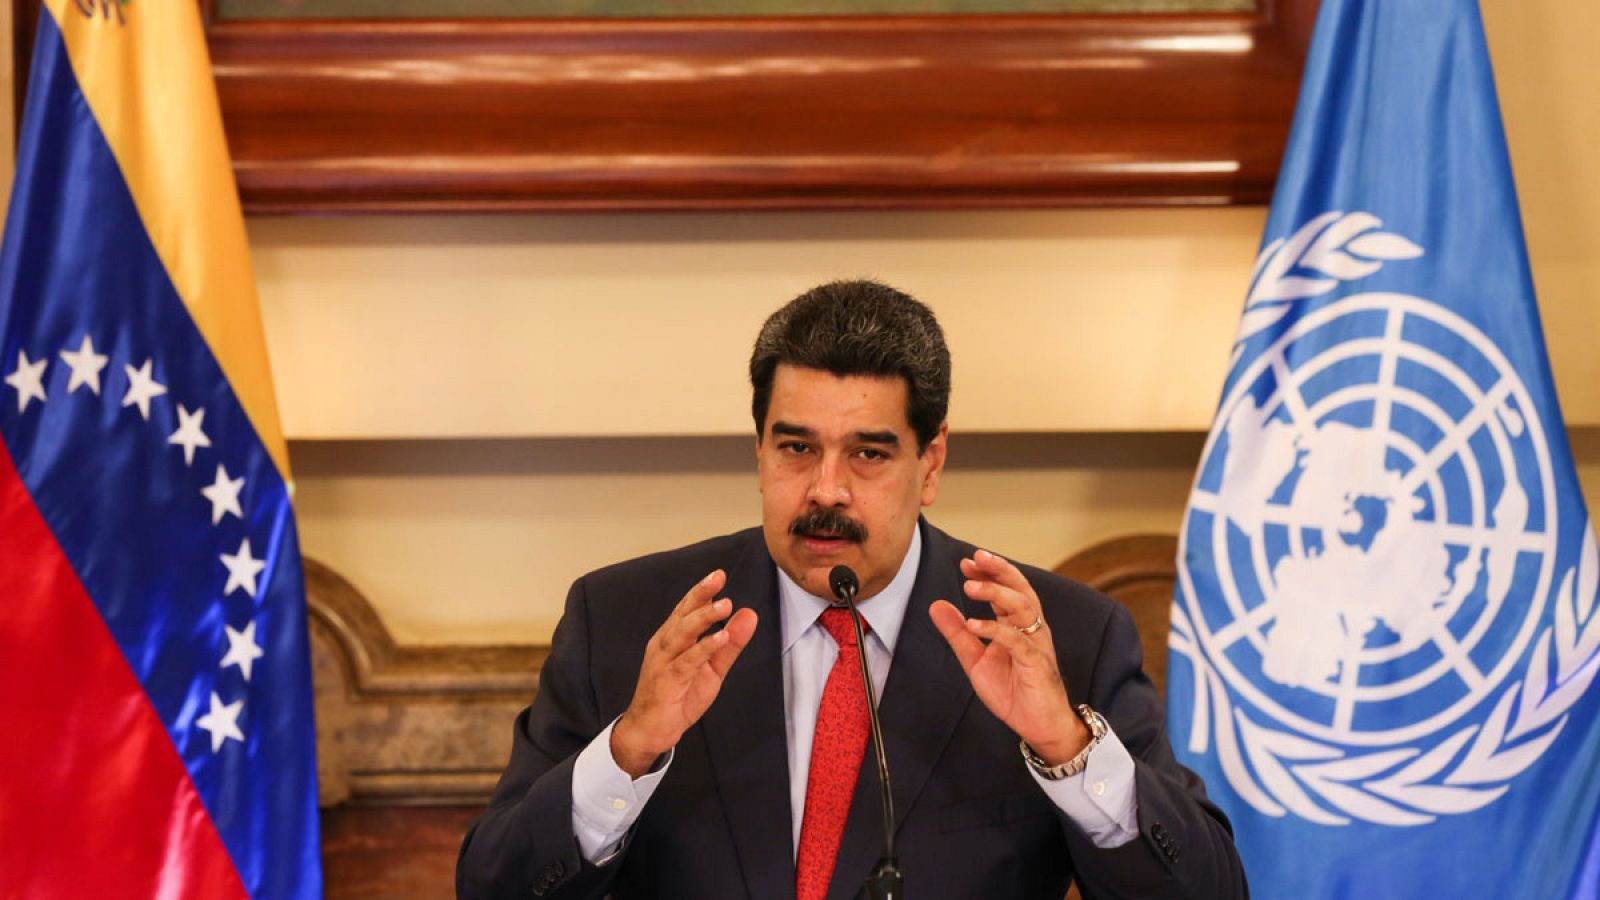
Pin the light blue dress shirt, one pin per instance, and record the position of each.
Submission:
(606, 802)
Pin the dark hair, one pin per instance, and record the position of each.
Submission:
(858, 328)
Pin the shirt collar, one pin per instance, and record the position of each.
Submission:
(884, 612)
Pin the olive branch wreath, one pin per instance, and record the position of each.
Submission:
(1404, 786)
(1278, 772)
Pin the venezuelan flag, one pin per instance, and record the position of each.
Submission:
(154, 681)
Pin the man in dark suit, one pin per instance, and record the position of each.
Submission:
(680, 748)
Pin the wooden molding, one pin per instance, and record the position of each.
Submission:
(377, 667)
(404, 724)
(1139, 571)
(754, 113)
(1121, 564)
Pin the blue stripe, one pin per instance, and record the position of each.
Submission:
(118, 497)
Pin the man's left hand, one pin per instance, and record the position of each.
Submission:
(1014, 674)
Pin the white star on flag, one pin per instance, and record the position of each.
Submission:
(28, 379)
(86, 365)
(222, 721)
(243, 650)
(189, 436)
(224, 495)
(242, 570)
(141, 387)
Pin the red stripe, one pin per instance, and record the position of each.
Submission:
(94, 799)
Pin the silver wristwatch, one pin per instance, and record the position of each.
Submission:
(1097, 730)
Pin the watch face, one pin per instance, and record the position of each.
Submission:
(1098, 728)
(1096, 722)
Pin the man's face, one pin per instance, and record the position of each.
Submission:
(841, 481)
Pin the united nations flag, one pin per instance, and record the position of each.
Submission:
(1384, 639)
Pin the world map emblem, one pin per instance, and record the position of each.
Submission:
(1369, 583)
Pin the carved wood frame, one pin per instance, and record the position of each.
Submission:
(402, 724)
(753, 113)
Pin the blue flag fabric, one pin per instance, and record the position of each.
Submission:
(1384, 635)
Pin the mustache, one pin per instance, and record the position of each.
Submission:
(828, 523)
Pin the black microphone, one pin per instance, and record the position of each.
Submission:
(885, 882)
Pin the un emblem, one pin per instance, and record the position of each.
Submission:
(1370, 554)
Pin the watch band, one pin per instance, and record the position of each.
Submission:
(1097, 730)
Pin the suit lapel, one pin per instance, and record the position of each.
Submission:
(746, 738)
(923, 700)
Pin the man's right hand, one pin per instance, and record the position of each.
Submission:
(681, 675)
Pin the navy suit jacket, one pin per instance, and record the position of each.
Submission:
(970, 820)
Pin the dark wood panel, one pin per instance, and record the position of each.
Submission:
(767, 113)
(392, 852)
(655, 9)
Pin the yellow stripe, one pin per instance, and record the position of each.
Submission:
(148, 82)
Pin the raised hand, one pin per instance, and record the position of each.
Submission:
(681, 674)
(1013, 673)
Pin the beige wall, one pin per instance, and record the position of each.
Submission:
(478, 540)
(630, 325)
(483, 408)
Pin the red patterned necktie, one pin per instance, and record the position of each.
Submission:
(837, 749)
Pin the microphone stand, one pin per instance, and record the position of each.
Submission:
(885, 881)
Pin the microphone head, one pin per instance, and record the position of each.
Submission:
(844, 584)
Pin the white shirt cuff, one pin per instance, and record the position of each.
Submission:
(1102, 799)
(605, 801)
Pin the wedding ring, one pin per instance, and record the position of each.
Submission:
(1038, 623)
